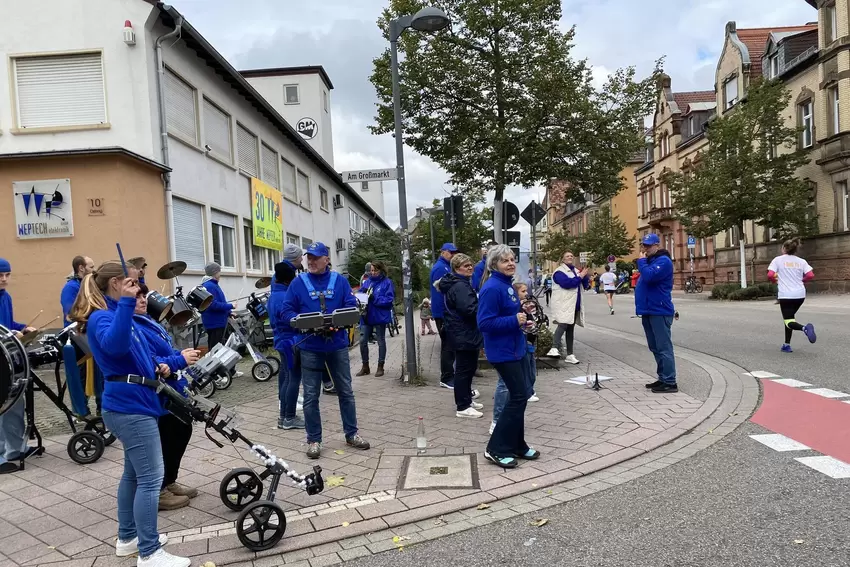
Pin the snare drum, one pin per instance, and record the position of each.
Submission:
(257, 305)
(199, 298)
(14, 369)
(181, 312)
(159, 306)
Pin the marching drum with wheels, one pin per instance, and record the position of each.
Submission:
(181, 311)
(258, 306)
(85, 447)
(261, 525)
(240, 487)
(14, 369)
(262, 371)
(275, 364)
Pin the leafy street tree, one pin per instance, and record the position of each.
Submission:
(470, 237)
(558, 242)
(497, 100)
(384, 245)
(606, 234)
(747, 173)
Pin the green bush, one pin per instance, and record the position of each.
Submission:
(733, 292)
(722, 291)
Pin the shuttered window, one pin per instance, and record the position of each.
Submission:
(287, 181)
(60, 91)
(270, 174)
(180, 112)
(223, 236)
(189, 233)
(247, 146)
(217, 132)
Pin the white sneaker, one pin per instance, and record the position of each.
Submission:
(553, 352)
(571, 359)
(128, 548)
(162, 558)
(477, 406)
(475, 394)
(492, 427)
(469, 412)
(533, 398)
(238, 374)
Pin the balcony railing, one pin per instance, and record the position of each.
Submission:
(659, 214)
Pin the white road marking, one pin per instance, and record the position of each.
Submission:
(791, 382)
(829, 466)
(827, 393)
(761, 374)
(779, 442)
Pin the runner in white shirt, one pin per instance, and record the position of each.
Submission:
(791, 272)
(609, 286)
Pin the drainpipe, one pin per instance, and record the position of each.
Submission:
(163, 136)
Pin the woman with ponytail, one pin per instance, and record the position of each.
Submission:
(104, 311)
(791, 272)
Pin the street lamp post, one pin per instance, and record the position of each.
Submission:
(429, 20)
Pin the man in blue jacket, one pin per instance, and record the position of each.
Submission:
(81, 265)
(322, 290)
(478, 272)
(215, 316)
(13, 430)
(441, 268)
(654, 304)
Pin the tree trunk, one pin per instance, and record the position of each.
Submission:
(498, 222)
(743, 258)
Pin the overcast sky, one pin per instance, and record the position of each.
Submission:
(342, 36)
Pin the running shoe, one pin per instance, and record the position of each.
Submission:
(786, 348)
(809, 329)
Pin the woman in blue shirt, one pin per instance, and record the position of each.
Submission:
(500, 321)
(379, 314)
(104, 310)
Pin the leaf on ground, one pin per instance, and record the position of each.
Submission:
(483, 506)
(339, 452)
(334, 481)
(799, 541)
(533, 486)
(399, 539)
(401, 548)
(710, 431)
(345, 524)
(530, 542)
(539, 522)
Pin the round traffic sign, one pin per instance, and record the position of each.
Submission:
(611, 258)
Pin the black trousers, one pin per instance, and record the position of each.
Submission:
(789, 308)
(508, 438)
(466, 362)
(215, 336)
(447, 355)
(174, 437)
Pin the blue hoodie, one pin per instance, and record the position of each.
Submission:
(119, 348)
(440, 269)
(653, 294)
(159, 341)
(478, 273)
(69, 295)
(215, 316)
(7, 316)
(284, 335)
(298, 300)
(379, 310)
(498, 306)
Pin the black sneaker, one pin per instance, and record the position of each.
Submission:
(664, 388)
(8, 467)
(653, 385)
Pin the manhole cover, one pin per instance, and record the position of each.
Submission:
(439, 471)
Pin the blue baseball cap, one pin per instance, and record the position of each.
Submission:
(317, 249)
(650, 239)
(449, 247)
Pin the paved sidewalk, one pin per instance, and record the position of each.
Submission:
(59, 511)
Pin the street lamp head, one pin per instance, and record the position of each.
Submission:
(430, 19)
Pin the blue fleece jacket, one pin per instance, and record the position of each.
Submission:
(284, 335)
(68, 296)
(440, 269)
(654, 291)
(119, 348)
(7, 316)
(159, 341)
(298, 300)
(477, 274)
(215, 316)
(379, 310)
(567, 281)
(498, 306)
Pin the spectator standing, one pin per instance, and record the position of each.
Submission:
(379, 313)
(567, 305)
(441, 268)
(425, 316)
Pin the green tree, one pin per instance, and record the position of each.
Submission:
(606, 234)
(747, 173)
(498, 100)
(471, 236)
(384, 245)
(558, 242)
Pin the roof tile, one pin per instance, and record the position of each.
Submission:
(756, 40)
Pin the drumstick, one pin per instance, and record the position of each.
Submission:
(46, 324)
(121, 256)
(37, 315)
(240, 295)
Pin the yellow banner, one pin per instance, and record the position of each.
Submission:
(266, 203)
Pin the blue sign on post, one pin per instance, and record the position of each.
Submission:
(692, 242)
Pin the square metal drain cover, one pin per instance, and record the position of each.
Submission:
(439, 471)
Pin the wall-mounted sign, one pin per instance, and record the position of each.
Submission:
(96, 207)
(369, 175)
(43, 209)
(307, 127)
(266, 203)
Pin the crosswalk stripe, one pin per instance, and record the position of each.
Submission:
(829, 466)
(761, 374)
(779, 442)
(791, 382)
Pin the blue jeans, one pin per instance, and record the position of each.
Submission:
(288, 382)
(13, 432)
(502, 395)
(381, 331)
(508, 439)
(660, 343)
(312, 370)
(138, 491)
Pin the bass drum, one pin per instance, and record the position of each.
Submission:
(181, 312)
(14, 369)
(199, 298)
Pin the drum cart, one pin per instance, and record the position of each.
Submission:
(248, 334)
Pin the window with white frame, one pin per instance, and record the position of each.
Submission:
(692, 125)
(253, 254)
(807, 123)
(181, 114)
(272, 258)
(290, 94)
(189, 233)
(60, 91)
(305, 242)
(773, 66)
(292, 238)
(730, 92)
(845, 205)
(364, 186)
(834, 110)
(830, 20)
(270, 172)
(247, 147)
(323, 198)
(217, 132)
(223, 239)
(287, 181)
(304, 190)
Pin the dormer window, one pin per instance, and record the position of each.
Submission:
(773, 66)
(730, 92)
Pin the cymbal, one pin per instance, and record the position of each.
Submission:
(171, 270)
(263, 282)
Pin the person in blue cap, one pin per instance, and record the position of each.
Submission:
(654, 305)
(443, 267)
(13, 430)
(322, 290)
